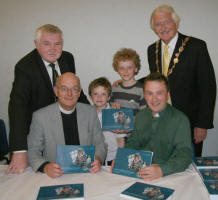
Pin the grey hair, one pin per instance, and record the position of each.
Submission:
(164, 9)
(49, 28)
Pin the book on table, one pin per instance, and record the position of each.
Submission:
(117, 119)
(129, 161)
(66, 191)
(206, 162)
(208, 170)
(147, 192)
(75, 158)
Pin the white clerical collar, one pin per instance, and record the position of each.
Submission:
(68, 112)
(156, 115)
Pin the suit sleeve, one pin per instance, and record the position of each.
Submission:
(206, 88)
(19, 110)
(36, 143)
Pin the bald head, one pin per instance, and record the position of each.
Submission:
(67, 90)
(68, 76)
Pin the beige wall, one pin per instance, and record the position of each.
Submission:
(94, 30)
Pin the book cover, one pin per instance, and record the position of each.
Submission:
(206, 162)
(209, 174)
(212, 187)
(129, 161)
(117, 119)
(75, 158)
(68, 191)
(146, 191)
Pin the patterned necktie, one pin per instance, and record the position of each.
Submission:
(166, 60)
(54, 73)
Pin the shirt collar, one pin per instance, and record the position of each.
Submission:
(47, 63)
(172, 42)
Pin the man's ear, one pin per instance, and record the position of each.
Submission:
(55, 91)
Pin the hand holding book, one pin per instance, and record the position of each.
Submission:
(150, 173)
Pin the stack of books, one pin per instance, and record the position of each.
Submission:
(146, 191)
(208, 169)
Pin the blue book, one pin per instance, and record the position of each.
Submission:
(212, 187)
(146, 191)
(117, 119)
(209, 174)
(75, 158)
(129, 161)
(67, 191)
(206, 162)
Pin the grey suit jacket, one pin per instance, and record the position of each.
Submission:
(46, 132)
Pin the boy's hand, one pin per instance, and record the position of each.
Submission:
(115, 105)
(121, 131)
(116, 83)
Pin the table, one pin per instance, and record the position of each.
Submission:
(100, 186)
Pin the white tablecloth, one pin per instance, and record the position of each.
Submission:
(100, 186)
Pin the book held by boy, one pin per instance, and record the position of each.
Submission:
(67, 191)
(75, 158)
(129, 161)
(146, 191)
(117, 119)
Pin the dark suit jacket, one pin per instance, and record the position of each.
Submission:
(32, 90)
(192, 82)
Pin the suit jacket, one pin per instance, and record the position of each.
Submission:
(192, 82)
(32, 90)
(46, 132)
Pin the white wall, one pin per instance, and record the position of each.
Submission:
(94, 30)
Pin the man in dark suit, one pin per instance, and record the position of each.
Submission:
(33, 88)
(190, 72)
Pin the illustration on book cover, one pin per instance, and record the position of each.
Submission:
(135, 162)
(81, 159)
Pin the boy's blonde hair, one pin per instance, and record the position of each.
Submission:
(102, 81)
(126, 54)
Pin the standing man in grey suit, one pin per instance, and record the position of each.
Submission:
(65, 122)
(33, 88)
(185, 61)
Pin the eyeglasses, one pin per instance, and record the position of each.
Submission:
(167, 22)
(73, 89)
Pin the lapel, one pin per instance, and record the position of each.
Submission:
(63, 65)
(82, 124)
(159, 56)
(44, 72)
(57, 125)
(176, 50)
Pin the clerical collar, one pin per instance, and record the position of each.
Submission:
(67, 112)
(156, 115)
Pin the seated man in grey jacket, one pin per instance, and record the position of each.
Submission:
(64, 122)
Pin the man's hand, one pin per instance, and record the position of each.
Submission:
(18, 163)
(150, 173)
(199, 134)
(96, 165)
(116, 83)
(53, 170)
